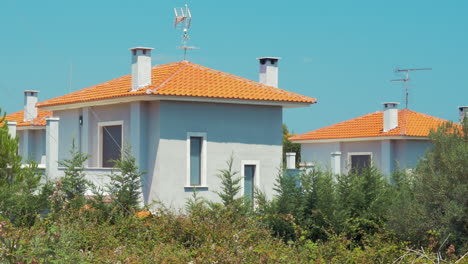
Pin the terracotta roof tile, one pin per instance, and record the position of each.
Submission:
(410, 123)
(38, 121)
(183, 79)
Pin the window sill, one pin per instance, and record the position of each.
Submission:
(197, 188)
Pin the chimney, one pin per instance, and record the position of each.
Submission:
(269, 70)
(30, 100)
(390, 116)
(462, 113)
(141, 67)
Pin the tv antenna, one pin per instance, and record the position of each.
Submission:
(406, 79)
(183, 20)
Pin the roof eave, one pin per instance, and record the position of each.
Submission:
(134, 98)
(355, 139)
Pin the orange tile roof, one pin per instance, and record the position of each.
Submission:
(410, 123)
(38, 121)
(183, 79)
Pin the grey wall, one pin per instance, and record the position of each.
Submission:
(36, 145)
(120, 112)
(248, 132)
(408, 152)
(404, 153)
(319, 153)
(68, 131)
(365, 146)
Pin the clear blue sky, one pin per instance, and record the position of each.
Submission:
(342, 52)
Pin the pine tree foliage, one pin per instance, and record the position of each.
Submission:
(74, 181)
(289, 198)
(125, 185)
(230, 184)
(289, 146)
(20, 197)
(10, 162)
(441, 184)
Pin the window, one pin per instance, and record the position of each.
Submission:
(250, 178)
(196, 159)
(110, 144)
(360, 161)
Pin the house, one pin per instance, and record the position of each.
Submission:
(29, 125)
(388, 139)
(182, 121)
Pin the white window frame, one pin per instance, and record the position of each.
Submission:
(357, 154)
(204, 150)
(99, 141)
(256, 174)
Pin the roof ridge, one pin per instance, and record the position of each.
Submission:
(149, 91)
(249, 81)
(426, 115)
(339, 123)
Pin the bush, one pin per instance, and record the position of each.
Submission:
(435, 198)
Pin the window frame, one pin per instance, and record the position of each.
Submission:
(256, 174)
(204, 149)
(350, 154)
(99, 141)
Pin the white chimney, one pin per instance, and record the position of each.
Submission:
(290, 160)
(269, 70)
(462, 113)
(390, 116)
(30, 100)
(141, 67)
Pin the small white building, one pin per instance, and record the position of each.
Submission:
(183, 121)
(29, 125)
(388, 139)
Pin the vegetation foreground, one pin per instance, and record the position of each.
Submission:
(316, 217)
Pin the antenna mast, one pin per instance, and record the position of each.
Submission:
(406, 79)
(183, 19)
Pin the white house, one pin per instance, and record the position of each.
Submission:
(182, 120)
(388, 139)
(29, 125)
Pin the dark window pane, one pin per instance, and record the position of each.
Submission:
(195, 160)
(359, 162)
(249, 177)
(111, 144)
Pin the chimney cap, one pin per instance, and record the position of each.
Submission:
(141, 48)
(31, 91)
(390, 104)
(271, 58)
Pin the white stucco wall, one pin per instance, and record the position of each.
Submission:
(120, 112)
(32, 148)
(348, 148)
(68, 131)
(319, 153)
(38, 147)
(251, 133)
(248, 132)
(398, 153)
(408, 152)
